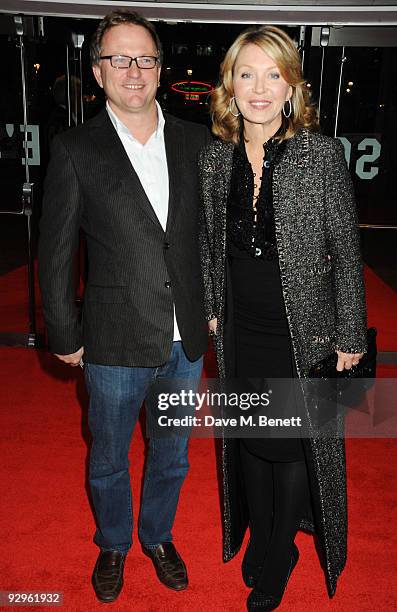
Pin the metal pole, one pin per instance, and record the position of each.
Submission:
(27, 199)
(81, 85)
(68, 84)
(301, 45)
(374, 226)
(325, 34)
(342, 62)
(321, 79)
(25, 107)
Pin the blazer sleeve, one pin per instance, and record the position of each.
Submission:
(344, 246)
(206, 234)
(59, 239)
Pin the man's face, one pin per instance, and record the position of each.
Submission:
(131, 90)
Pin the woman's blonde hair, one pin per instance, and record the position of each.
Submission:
(281, 48)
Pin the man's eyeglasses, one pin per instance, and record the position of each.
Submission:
(125, 61)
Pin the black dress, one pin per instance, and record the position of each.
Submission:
(262, 346)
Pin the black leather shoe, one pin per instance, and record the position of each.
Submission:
(107, 578)
(169, 566)
(262, 602)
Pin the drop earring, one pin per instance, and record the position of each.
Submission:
(290, 109)
(233, 99)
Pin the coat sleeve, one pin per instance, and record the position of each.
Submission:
(344, 246)
(59, 239)
(206, 235)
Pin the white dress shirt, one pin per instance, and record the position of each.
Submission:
(149, 161)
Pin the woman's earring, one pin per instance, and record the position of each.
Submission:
(233, 99)
(290, 109)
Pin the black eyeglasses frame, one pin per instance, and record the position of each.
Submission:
(132, 59)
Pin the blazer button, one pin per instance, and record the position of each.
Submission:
(167, 284)
(166, 245)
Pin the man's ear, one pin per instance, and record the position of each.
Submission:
(97, 74)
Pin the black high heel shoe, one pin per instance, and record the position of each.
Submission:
(262, 602)
(250, 571)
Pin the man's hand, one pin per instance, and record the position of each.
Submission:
(347, 360)
(212, 325)
(73, 359)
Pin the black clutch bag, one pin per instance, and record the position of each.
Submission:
(347, 388)
(366, 367)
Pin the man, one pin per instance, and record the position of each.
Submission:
(128, 178)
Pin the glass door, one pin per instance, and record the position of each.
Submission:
(19, 151)
(350, 71)
(42, 95)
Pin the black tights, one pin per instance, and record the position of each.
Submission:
(276, 494)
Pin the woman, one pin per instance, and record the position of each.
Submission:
(284, 288)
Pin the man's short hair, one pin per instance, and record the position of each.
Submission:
(121, 17)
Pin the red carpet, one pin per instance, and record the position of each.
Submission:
(14, 313)
(382, 310)
(47, 525)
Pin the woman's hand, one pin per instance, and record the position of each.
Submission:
(212, 325)
(347, 360)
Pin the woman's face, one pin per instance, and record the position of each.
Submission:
(259, 88)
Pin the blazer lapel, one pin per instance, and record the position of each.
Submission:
(108, 142)
(174, 148)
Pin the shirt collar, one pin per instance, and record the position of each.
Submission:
(121, 128)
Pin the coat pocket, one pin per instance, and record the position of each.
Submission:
(105, 295)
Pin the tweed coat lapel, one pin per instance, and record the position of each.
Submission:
(223, 172)
(225, 164)
(296, 151)
(109, 144)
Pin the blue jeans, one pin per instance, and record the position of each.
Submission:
(116, 395)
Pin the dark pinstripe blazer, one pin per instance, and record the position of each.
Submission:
(136, 271)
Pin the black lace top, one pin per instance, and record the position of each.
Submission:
(255, 237)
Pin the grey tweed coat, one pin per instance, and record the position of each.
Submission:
(322, 282)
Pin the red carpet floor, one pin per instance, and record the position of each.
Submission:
(382, 310)
(47, 525)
